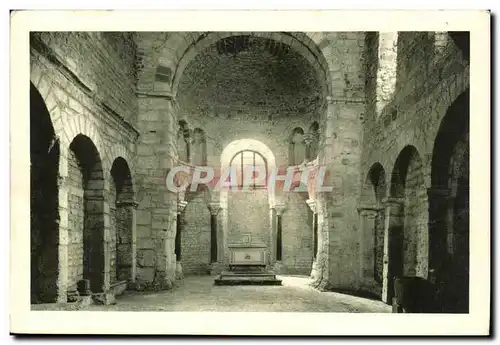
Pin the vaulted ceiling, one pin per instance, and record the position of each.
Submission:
(249, 76)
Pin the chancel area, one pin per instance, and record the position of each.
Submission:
(384, 116)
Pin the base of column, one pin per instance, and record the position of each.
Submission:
(179, 273)
(314, 270)
(216, 268)
(319, 277)
(278, 267)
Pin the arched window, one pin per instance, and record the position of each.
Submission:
(387, 69)
(312, 141)
(297, 147)
(183, 142)
(198, 148)
(245, 162)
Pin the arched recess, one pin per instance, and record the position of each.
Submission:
(122, 218)
(196, 231)
(183, 142)
(193, 43)
(238, 224)
(297, 147)
(312, 141)
(86, 214)
(44, 202)
(199, 148)
(449, 206)
(372, 216)
(237, 146)
(408, 233)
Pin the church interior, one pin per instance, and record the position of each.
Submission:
(385, 113)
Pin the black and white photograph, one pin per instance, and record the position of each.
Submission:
(322, 173)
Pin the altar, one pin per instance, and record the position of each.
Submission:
(247, 266)
(247, 255)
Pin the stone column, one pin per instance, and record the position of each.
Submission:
(63, 259)
(181, 205)
(130, 249)
(272, 236)
(215, 256)
(314, 226)
(393, 240)
(367, 217)
(340, 154)
(280, 208)
(157, 213)
(224, 234)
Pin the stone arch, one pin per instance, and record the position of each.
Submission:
(454, 125)
(41, 82)
(373, 216)
(408, 233)
(86, 205)
(374, 186)
(449, 206)
(250, 145)
(119, 151)
(75, 125)
(122, 209)
(235, 203)
(409, 172)
(187, 47)
(44, 203)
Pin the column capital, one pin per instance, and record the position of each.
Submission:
(308, 138)
(127, 203)
(312, 205)
(387, 201)
(214, 208)
(368, 209)
(181, 205)
(280, 208)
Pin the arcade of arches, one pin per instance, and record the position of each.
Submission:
(112, 113)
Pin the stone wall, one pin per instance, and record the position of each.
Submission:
(416, 239)
(297, 236)
(87, 90)
(248, 213)
(341, 80)
(102, 61)
(220, 132)
(196, 236)
(76, 221)
(157, 206)
(114, 222)
(431, 73)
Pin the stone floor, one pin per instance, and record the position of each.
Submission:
(200, 294)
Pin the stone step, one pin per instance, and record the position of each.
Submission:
(230, 278)
(247, 282)
(263, 275)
